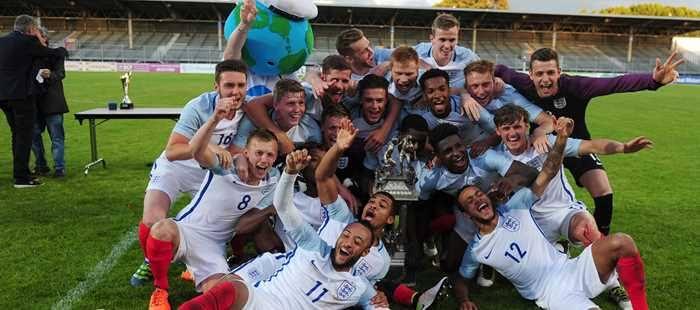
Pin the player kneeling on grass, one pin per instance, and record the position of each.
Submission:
(317, 275)
(509, 240)
(175, 171)
(199, 233)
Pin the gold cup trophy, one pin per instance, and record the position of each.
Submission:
(126, 101)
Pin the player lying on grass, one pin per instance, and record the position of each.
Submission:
(510, 240)
(378, 212)
(175, 171)
(317, 275)
(557, 212)
(198, 235)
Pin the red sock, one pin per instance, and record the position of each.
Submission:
(443, 224)
(403, 295)
(144, 231)
(221, 296)
(238, 245)
(160, 254)
(630, 270)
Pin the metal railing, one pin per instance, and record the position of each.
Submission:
(571, 63)
(122, 53)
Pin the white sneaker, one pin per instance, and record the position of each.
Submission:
(430, 296)
(486, 276)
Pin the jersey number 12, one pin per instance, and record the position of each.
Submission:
(516, 252)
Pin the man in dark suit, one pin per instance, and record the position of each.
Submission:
(18, 51)
(51, 104)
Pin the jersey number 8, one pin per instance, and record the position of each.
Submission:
(244, 202)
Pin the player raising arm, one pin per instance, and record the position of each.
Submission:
(569, 96)
(316, 277)
(175, 171)
(509, 240)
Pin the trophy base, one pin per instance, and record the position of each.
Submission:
(126, 106)
(397, 187)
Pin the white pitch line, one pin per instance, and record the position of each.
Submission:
(97, 273)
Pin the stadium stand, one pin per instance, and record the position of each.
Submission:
(176, 31)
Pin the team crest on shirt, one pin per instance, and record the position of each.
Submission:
(560, 103)
(253, 273)
(345, 290)
(362, 268)
(511, 224)
(537, 162)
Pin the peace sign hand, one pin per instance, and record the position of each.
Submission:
(666, 73)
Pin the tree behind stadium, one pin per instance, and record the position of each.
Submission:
(474, 4)
(651, 9)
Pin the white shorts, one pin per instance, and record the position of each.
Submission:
(554, 223)
(574, 284)
(261, 267)
(203, 256)
(174, 178)
(464, 226)
(258, 299)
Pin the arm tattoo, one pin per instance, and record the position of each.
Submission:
(554, 159)
(551, 166)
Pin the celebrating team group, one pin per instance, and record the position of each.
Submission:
(289, 165)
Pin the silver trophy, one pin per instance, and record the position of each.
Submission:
(397, 176)
(126, 101)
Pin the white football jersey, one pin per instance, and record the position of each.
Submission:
(311, 211)
(558, 194)
(468, 130)
(306, 131)
(195, 114)
(376, 264)
(511, 96)
(408, 100)
(455, 68)
(222, 199)
(517, 249)
(309, 281)
(439, 178)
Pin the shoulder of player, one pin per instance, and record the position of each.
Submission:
(569, 83)
(463, 53)
(273, 176)
(308, 90)
(423, 49)
(202, 103)
(308, 122)
(522, 200)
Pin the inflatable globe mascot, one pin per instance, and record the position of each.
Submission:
(280, 38)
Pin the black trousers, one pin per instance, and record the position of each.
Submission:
(21, 116)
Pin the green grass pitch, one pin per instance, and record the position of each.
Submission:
(61, 242)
